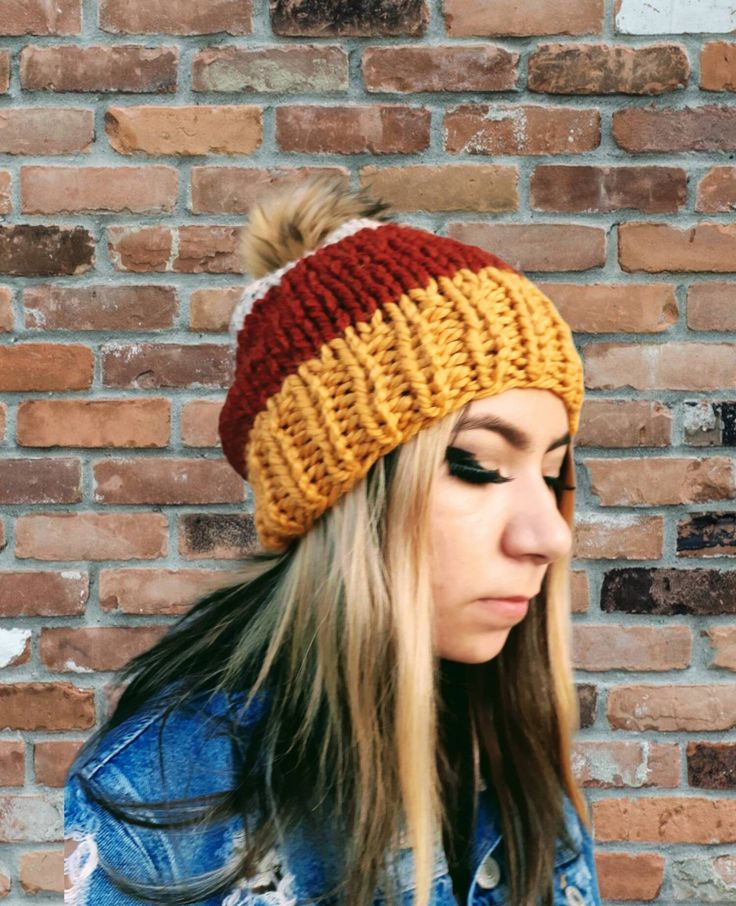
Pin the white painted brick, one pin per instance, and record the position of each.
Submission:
(12, 644)
(676, 17)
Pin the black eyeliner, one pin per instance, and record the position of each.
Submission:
(465, 466)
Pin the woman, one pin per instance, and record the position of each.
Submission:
(358, 717)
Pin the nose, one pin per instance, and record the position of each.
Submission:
(536, 527)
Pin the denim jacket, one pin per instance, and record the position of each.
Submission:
(126, 766)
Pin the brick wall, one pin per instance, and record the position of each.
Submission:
(590, 144)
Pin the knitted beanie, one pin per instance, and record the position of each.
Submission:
(359, 333)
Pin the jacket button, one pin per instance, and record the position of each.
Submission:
(489, 874)
(573, 897)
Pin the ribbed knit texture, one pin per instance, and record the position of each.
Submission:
(363, 343)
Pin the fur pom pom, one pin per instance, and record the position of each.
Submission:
(292, 222)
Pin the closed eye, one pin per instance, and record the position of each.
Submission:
(465, 466)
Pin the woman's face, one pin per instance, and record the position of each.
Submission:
(494, 536)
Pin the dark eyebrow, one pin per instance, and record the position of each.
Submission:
(513, 435)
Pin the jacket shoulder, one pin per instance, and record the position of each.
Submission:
(146, 760)
(189, 750)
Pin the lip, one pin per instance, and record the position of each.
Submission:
(511, 608)
(516, 598)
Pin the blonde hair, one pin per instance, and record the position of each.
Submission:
(360, 594)
(338, 631)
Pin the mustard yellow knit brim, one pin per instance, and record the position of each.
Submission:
(436, 348)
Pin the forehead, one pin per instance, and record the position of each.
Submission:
(527, 418)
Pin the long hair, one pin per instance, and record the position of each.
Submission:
(365, 732)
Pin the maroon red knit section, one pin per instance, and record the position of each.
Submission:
(340, 284)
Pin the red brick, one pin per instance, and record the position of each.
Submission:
(612, 308)
(203, 129)
(199, 423)
(504, 129)
(612, 764)
(166, 481)
(624, 423)
(448, 187)
(139, 249)
(7, 325)
(35, 593)
(211, 309)
(4, 885)
(579, 591)
(52, 759)
(656, 247)
(606, 69)
(706, 128)
(618, 537)
(334, 17)
(140, 423)
(463, 67)
(281, 69)
(122, 67)
(611, 647)
(39, 480)
(674, 366)
(157, 591)
(6, 203)
(657, 481)
(45, 130)
(45, 366)
(98, 648)
(91, 536)
(507, 17)
(722, 640)
(100, 307)
(718, 66)
(380, 129)
(4, 71)
(232, 190)
(147, 365)
(629, 876)
(655, 190)
(42, 872)
(665, 819)
(175, 17)
(537, 246)
(200, 249)
(38, 17)
(135, 190)
(46, 706)
(717, 190)
(672, 708)
(12, 762)
(209, 250)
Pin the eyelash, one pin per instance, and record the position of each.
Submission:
(464, 466)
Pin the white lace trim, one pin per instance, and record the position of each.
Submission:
(258, 288)
(271, 884)
(78, 866)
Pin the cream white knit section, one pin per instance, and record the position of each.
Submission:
(258, 288)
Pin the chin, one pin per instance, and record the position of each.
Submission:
(477, 649)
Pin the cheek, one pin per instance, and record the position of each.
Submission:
(462, 507)
(464, 536)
